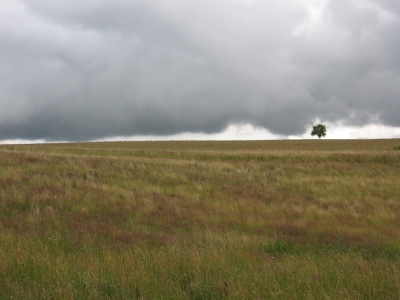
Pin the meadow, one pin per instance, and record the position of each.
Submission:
(307, 219)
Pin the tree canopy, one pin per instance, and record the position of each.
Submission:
(319, 130)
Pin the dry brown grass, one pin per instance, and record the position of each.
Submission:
(200, 220)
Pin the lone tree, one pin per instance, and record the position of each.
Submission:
(319, 130)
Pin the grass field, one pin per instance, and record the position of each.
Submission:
(309, 219)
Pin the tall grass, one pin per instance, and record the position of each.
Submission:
(200, 220)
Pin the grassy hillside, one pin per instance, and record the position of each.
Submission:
(315, 219)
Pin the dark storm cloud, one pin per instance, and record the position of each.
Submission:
(80, 70)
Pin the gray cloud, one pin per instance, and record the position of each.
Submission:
(73, 70)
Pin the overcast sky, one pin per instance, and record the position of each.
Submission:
(73, 70)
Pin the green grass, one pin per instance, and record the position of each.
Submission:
(310, 219)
